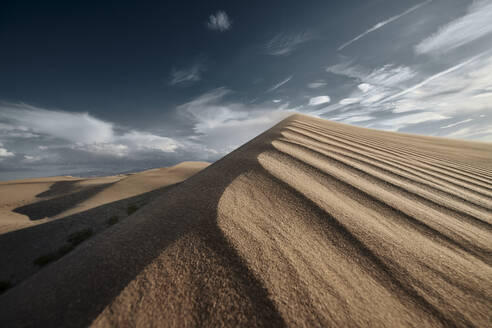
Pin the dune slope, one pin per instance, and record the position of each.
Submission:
(312, 223)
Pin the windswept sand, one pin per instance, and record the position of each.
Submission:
(312, 223)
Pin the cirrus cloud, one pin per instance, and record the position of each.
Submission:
(470, 27)
(314, 101)
(284, 45)
(187, 75)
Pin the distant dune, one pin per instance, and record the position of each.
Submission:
(38, 216)
(311, 224)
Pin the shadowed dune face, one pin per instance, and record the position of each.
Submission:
(312, 223)
(59, 188)
(67, 199)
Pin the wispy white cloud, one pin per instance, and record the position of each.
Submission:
(314, 101)
(348, 69)
(187, 75)
(457, 123)
(30, 158)
(283, 45)
(383, 23)
(401, 97)
(434, 77)
(452, 93)
(470, 27)
(479, 132)
(403, 121)
(15, 131)
(219, 21)
(365, 87)
(4, 152)
(317, 84)
(222, 124)
(139, 140)
(357, 119)
(351, 116)
(387, 75)
(278, 85)
(371, 85)
(349, 101)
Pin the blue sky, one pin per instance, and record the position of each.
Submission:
(91, 88)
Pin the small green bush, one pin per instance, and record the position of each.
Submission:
(79, 236)
(131, 209)
(113, 220)
(51, 257)
(4, 285)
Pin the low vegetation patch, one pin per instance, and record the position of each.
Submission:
(45, 259)
(113, 220)
(51, 257)
(79, 236)
(4, 285)
(73, 240)
(65, 249)
(132, 208)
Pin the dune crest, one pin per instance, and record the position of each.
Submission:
(312, 223)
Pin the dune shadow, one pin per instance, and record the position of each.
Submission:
(59, 188)
(51, 207)
(20, 248)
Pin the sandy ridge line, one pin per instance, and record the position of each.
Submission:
(430, 228)
(394, 168)
(380, 153)
(477, 202)
(432, 191)
(395, 139)
(386, 194)
(463, 169)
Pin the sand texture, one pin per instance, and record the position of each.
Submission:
(311, 224)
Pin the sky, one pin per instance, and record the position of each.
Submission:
(101, 87)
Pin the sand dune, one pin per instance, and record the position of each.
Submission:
(312, 223)
(38, 216)
(23, 202)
